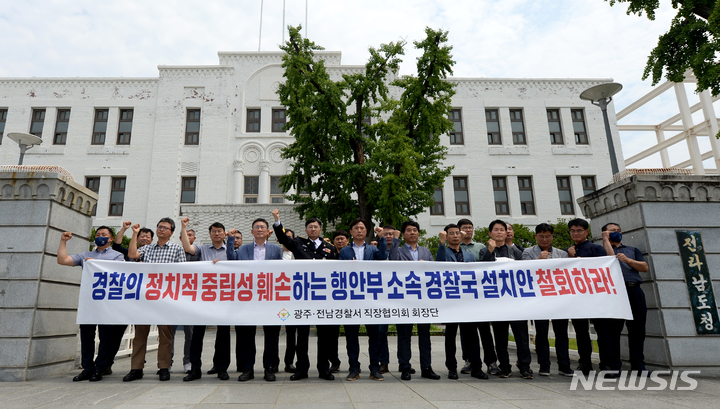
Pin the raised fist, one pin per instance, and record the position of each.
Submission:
(126, 225)
(66, 236)
(276, 214)
(136, 228)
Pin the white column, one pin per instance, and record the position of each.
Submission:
(264, 182)
(238, 182)
(513, 194)
(686, 116)
(711, 119)
(660, 135)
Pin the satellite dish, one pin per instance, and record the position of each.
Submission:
(601, 92)
(25, 140)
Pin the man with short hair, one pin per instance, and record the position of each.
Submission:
(290, 330)
(208, 252)
(163, 251)
(511, 236)
(144, 238)
(543, 251)
(340, 239)
(387, 233)
(110, 335)
(238, 237)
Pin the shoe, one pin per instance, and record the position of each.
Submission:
(275, 369)
(429, 374)
(133, 375)
(493, 369)
(108, 371)
(96, 376)
(83, 376)
(164, 374)
(526, 373)
(213, 371)
(327, 376)
(384, 368)
(246, 375)
(270, 374)
(467, 368)
(376, 376)
(192, 375)
(298, 375)
(452, 374)
(223, 375)
(566, 371)
(411, 370)
(544, 371)
(505, 373)
(585, 369)
(290, 368)
(479, 374)
(335, 368)
(612, 374)
(405, 376)
(187, 368)
(353, 375)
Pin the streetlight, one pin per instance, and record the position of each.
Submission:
(601, 95)
(26, 141)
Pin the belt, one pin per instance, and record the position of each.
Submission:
(632, 284)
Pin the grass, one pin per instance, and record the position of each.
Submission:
(392, 330)
(572, 343)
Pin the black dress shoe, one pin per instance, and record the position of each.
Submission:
(270, 374)
(223, 375)
(429, 374)
(96, 376)
(83, 376)
(405, 376)
(327, 376)
(246, 376)
(411, 370)
(290, 368)
(164, 374)
(452, 374)
(192, 375)
(298, 375)
(134, 374)
(212, 371)
(479, 374)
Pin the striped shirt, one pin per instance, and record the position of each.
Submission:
(167, 253)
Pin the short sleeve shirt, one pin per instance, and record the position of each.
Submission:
(630, 274)
(167, 253)
(107, 254)
(208, 252)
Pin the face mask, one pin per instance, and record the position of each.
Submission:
(101, 241)
(616, 236)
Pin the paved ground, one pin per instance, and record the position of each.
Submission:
(551, 392)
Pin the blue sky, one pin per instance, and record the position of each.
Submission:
(505, 39)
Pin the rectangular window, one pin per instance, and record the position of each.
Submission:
(493, 126)
(438, 207)
(38, 120)
(517, 126)
(501, 196)
(251, 189)
(187, 192)
(117, 197)
(3, 118)
(278, 120)
(578, 118)
(94, 185)
(61, 126)
(125, 127)
(462, 198)
(192, 127)
(456, 136)
(565, 195)
(556, 137)
(277, 195)
(253, 120)
(527, 200)
(588, 183)
(100, 127)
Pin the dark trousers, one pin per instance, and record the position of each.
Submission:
(488, 343)
(334, 346)
(608, 332)
(522, 342)
(542, 345)
(470, 343)
(384, 352)
(404, 352)
(221, 357)
(110, 339)
(246, 346)
(451, 330)
(636, 328)
(187, 330)
(327, 345)
(290, 342)
(352, 343)
(584, 343)
(301, 348)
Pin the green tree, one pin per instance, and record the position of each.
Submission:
(345, 167)
(693, 42)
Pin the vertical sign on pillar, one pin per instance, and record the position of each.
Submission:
(699, 283)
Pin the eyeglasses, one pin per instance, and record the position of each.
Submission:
(259, 228)
(162, 228)
(573, 231)
(454, 233)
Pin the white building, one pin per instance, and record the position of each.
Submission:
(211, 135)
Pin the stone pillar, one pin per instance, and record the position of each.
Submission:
(38, 297)
(264, 182)
(238, 182)
(650, 208)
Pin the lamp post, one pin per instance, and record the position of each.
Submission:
(25, 141)
(601, 95)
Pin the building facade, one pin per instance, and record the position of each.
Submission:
(523, 149)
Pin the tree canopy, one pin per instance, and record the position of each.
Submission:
(359, 151)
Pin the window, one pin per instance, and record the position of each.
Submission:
(527, 202)
(117, 197)
(125, 127)
(3, 118)
(251, 189)
(462, 199)
(192, 127)
(187, 191)
(578, 119)
(493, 126)
(456, 136)
(516, 124)
(565, 194)
(38, 119)
(278, 120)
(438, 208)
(94, 185)
(553, 116)
(588, 183)
(61, 126)
(277, 195)
(501, 196)
(100, 127)
(253, 120)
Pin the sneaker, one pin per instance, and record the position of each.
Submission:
(354, 375)
(452, 374)
(526, 373)
(467, 368)
(493, 369)
(376, 376)
(544, 371)
(384, 368)
(566, 371)
(505, 373)
(585, 369)
(335, 368)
